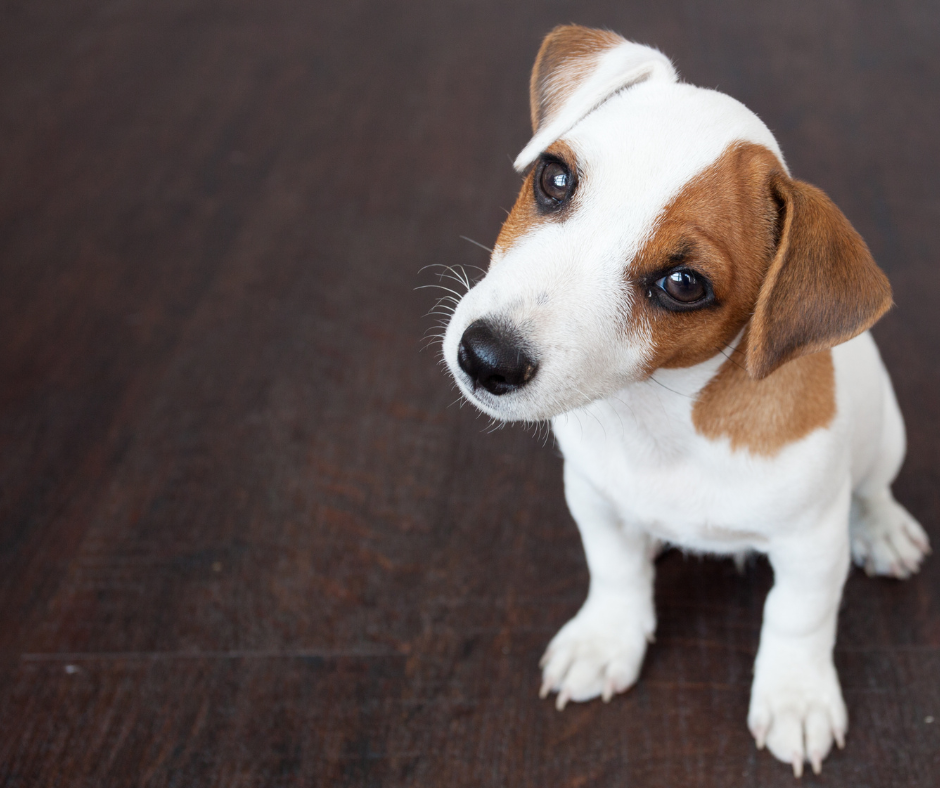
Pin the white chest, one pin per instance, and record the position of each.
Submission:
(641, 452)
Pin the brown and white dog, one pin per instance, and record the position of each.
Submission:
(693, 321)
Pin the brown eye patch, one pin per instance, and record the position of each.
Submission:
(698, 276)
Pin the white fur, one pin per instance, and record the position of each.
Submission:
(636, 471)
(618, 68)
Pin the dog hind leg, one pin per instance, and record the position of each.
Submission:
(885, 538)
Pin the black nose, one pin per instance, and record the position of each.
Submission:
(494, 358)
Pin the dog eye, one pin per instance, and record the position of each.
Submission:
(684, 286)
(553, 183)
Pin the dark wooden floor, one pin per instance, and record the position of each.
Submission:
(244, 540)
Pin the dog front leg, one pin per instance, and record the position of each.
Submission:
(796, 701)
(601, 649)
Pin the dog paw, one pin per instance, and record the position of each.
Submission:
(593, 655)
(798, 715)
(886, 540)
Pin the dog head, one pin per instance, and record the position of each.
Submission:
(656, 221)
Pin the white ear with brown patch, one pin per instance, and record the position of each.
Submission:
(822, 287)
(577, 69)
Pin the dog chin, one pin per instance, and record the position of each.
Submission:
(516, 406)
(502, 408)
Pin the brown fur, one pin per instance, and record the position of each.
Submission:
(823, 286)
(525, 215)
(765, 415)
(567, 55)
(723, 223)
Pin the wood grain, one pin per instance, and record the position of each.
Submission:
(244, 538)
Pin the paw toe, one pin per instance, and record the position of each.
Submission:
(582, 663)
(799, 721)
(818, 735)
(886, 540)
(785, 737)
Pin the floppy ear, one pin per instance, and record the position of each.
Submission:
(576, 70)
(822, 287)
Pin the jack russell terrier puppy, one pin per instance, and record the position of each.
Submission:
(693, 321)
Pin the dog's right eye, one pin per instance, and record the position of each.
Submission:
(553, 183)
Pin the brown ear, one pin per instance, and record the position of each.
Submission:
(567, 55)
(822, 287)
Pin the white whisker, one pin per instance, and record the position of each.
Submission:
(477, 243)
(440, 287)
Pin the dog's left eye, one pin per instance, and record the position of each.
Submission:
(553, 183)
(683, 288)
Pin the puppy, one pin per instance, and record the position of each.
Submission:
(693, 321)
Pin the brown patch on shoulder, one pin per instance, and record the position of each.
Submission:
(567, 55)
(765, 415)
(525, 215)
(723, 225)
